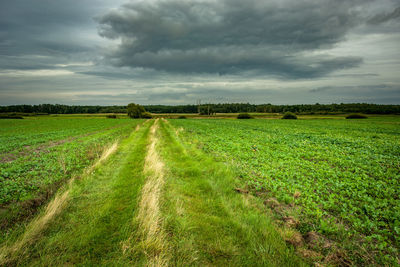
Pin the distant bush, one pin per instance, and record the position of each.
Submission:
(146, 115)
(135, 111)
(182, 117)
(356, 116)
(289, 116)
(244, 116)
(112, 116)
(8, 116)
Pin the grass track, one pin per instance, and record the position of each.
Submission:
(201, 219)
(207, 221)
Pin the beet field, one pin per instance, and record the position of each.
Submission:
(320, 191)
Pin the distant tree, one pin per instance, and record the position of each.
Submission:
(135, 111)
(207, 109)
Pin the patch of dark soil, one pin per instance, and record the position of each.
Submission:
(310, 254)
(338, 258)
(291, 222)
(241, 190)
(296, 239)
(272, 203)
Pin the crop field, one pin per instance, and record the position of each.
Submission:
(39, 154)
(340, 178)
(92, 191)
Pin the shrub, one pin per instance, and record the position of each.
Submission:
(244, 116)
(135, 111)
(289, 116)
(112, 116)
(146, 115)
(356, 116)
(9, 116)
(182, 117)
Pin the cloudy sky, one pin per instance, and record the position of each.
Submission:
(180, 51)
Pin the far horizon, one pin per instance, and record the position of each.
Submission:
(203, 103)
(177, 52)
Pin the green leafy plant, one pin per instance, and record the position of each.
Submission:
(332, 163)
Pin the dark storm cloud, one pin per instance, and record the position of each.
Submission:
(231, 36)
(41, 27)
(179, 51)
(381, 18)
(39, 34)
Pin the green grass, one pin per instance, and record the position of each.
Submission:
(209, 223)
(217, 198)
(99, 215)
(205, 220)
(37, 155)
(347, 172)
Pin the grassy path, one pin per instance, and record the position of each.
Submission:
(208, 222)
(155, 201)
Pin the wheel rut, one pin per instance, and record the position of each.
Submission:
(153, 236)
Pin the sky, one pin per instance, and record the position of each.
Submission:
(172, 52)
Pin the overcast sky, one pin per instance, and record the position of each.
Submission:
(177, 52)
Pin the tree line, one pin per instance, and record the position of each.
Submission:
(211, 108)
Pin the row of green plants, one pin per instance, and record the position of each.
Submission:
(32, 173)
(28, 134)
(343, 176)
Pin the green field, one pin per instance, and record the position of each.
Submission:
(342, 177)
(263, 192)
(37, 155)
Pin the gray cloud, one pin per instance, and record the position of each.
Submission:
(385, 17)
(377, 89)
(379, 93)
(229, 36)
(39, 34)
(178, 51)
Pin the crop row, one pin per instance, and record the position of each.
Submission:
(346, 173)
(17, 135)
(32, 173)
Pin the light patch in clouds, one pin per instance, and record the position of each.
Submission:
(34, 73)
(75, 64)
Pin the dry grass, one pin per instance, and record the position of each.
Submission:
(106, 153)
(149, 215)
(9, 253)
